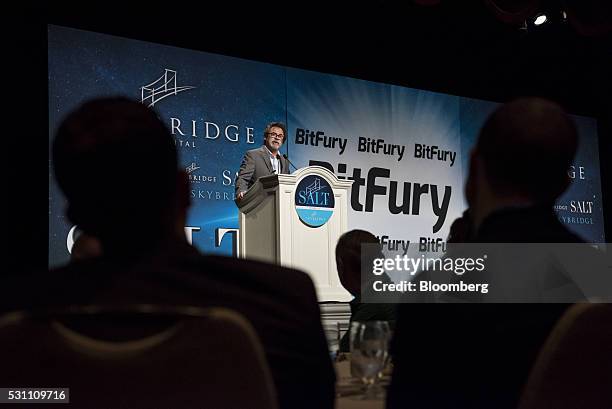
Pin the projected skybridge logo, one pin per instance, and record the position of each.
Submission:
(314, 201)
(192, 168)
(161, 88)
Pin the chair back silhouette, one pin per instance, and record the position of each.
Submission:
(138, 357)
(574, 367)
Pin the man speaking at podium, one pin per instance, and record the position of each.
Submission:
(263, 161)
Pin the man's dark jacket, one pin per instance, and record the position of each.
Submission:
(280, 303)
(475, 355)
(255, 164)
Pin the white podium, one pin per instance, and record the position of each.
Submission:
(295, 221)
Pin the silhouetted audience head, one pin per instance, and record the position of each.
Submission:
(522, 156)
(460, 230)
(85, 247)
(116, 162)
(349, 258)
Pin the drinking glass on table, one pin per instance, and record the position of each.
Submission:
(369, 351)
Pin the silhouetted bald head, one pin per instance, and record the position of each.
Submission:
(85, 247)
(348, 257)
(117, 165)
(527, 147)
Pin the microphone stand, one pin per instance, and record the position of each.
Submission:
(286, 157)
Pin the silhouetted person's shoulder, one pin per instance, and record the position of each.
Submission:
(280, 303)
(533, 224)
(180, 276)
(274, 276)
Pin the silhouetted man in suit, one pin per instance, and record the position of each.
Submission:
(85, 247)
(349, 258)
(479, 355)
(116, 162)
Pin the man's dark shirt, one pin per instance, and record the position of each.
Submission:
(475, 355)
(280, 303)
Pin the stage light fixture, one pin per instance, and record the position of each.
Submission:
(540, 19)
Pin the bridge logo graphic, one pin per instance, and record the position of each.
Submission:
(192, 168)
(161, 88)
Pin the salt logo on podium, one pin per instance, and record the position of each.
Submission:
(314, 201)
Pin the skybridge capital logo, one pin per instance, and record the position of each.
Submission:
(191, 168)
(314, 201)
(161, 88)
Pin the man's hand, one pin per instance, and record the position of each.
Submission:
(240, 196)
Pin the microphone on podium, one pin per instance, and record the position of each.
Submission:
(287, 157)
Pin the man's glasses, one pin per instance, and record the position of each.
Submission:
(276, 135)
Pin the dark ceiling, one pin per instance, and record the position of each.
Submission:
(457, 47)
